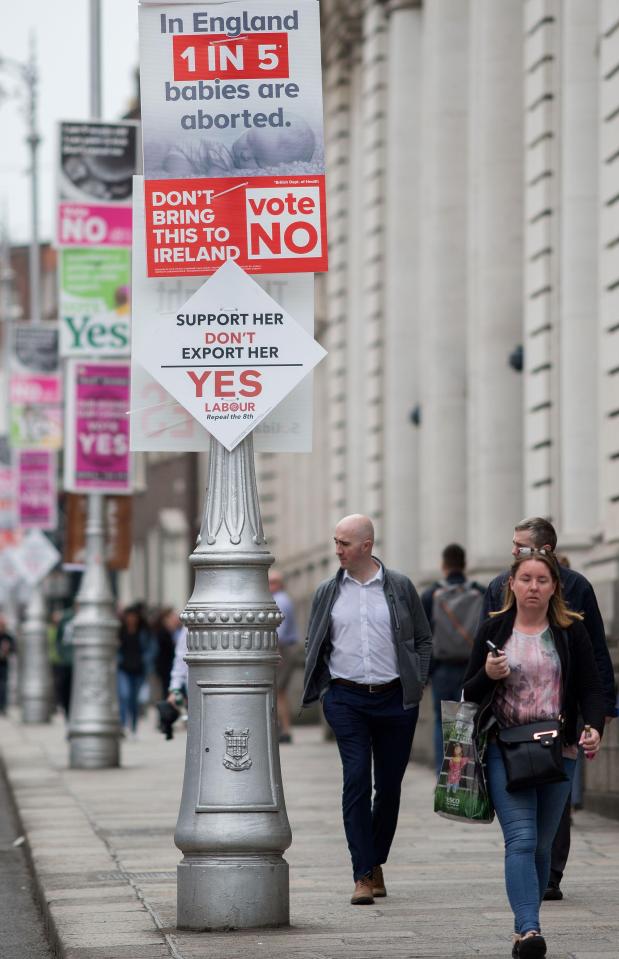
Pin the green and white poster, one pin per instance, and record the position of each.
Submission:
(95, 303)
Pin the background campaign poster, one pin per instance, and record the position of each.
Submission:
(233, 137)
(36, 489)
(96, 161)
(97, 455)
(95, 301)
(35, 387)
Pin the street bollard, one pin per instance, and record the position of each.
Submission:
(232, 826)
(94, 725)
(35, 684)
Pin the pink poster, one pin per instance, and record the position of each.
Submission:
(82, 224)
(97, 438)
(36, 489)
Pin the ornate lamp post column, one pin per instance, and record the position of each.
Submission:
(36, 678)
(94, 726)
(232, 826)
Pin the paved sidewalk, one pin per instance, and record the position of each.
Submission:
(101, 843)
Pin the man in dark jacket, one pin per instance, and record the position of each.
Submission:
(538, 533)
(453, 606)
(367, 658)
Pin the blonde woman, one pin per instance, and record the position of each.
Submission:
(543, 668)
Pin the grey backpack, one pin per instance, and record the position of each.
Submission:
(456, 608)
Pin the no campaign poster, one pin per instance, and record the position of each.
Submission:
(158, 421)
(230, 354)
(35, 388)
(95, 301)
(233, 137)
(97, 428)
(36, 489)
(96, 164)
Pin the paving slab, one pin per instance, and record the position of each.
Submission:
(105, 861)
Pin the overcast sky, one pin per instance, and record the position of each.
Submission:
(62, 37)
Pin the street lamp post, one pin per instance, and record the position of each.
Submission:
(232, 826)
(94, 724)
(35, 671)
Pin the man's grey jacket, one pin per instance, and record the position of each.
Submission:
(410, 629)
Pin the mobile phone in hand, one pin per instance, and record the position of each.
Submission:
(493, 649)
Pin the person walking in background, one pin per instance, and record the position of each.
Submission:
(537, 533)
(135, 655)
(63, 658)
(7, 648)
(367, 658)
(541, 667)
(287, 638)
(453, 607)
(166, 625)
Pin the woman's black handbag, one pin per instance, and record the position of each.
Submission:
(532, 754)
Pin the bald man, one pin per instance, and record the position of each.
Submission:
(367, 659)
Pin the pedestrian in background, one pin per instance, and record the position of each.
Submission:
(538, 533)
(453, 607)
(165, 627)
(135, 655)
(542, 668)
(367, 658)
(63, 658)
(287, 638)
(7, 648)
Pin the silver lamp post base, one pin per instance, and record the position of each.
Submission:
(232, 826)
(36, 679)
(94, 726)
(237, 892)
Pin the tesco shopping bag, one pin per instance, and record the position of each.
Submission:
(461, 791)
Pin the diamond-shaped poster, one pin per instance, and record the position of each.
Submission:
(230, 354)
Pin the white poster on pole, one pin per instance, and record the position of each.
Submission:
(35, 557)
(230, 354)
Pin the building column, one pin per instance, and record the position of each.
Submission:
(401, 319)
(494, 400)
(443, 266)
(578, 516)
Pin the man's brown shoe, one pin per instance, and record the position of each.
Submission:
(362, 896)
(378, 883)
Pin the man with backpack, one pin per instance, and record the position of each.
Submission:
(453, 607)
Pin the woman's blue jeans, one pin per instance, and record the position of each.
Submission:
(529, 819)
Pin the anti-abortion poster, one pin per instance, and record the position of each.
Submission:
(36, 489)
(233, 138)
(97, 428)
(96, 163)
(95, 301)
(35, 388)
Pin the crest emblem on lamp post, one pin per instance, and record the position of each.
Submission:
(237, 749)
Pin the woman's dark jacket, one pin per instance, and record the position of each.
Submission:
(582, 689)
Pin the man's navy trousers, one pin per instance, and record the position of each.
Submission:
(370, 728)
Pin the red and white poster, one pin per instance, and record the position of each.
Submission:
(36, 489)
(97, 428)
(233, 137)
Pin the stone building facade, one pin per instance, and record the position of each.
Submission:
(471, 309)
